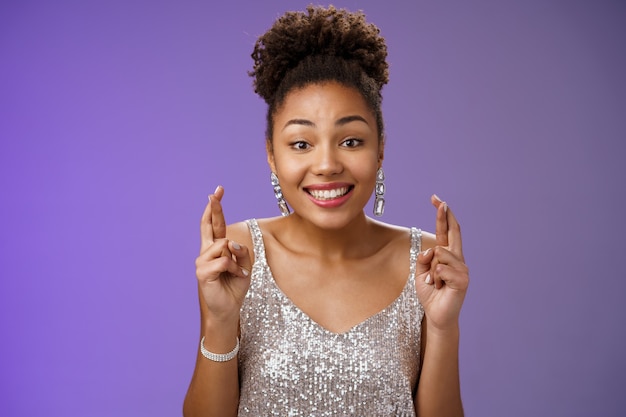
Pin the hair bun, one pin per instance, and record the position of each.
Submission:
(318, 31)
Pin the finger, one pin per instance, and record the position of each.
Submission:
(424, 266)
(206, 228)
(212, 270)
(242, 257)
(454, 278)
(217, 259)
(435, 200)
(217, 249)
(454, 235)
(441, 226)
(443, 255)
(425, 257)
(439, 272)
(445, 260)
(218, 222)
(208, 232)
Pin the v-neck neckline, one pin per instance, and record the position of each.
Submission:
(410, 283)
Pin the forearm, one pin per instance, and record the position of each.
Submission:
(214, 387)
(439, 392)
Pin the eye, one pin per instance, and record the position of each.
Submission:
(300, 145)
(352, 142)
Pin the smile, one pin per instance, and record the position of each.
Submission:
(324, 195)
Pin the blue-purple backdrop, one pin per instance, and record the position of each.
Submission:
(117, 118)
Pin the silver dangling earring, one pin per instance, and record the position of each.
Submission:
(379, 202)
(278, 193)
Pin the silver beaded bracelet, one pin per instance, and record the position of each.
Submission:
(219, 357)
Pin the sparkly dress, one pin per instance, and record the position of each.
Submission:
(291, 366)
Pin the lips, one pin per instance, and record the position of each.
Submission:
(330, 195)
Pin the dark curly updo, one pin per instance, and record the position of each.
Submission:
(321, 44)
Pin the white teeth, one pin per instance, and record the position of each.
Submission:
(328, 194)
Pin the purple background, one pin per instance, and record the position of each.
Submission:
(117, 118)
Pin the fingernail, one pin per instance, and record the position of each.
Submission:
(426, 252)
(445, 207)
(437, 197)
(236, 246)
(427, 280)
(216, 188)
(244, 272)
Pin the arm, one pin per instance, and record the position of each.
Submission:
(214, 387)
(439, 390)
(442, 281)
(223, 270)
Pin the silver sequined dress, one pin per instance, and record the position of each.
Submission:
(291, 366)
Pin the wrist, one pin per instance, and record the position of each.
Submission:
(447, 333)
(220, 321)
(220, 336)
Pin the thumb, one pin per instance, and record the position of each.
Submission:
(242, 257)
(422, 266)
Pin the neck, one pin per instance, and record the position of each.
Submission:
(353, 240)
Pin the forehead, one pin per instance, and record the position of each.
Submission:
(322, 101)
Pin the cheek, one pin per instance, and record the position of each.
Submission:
(366, 169)
(289, 170)
(366, 175)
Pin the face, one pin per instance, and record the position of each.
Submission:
(326, 152)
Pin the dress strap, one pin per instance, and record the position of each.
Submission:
(257, 240)
(416, 247)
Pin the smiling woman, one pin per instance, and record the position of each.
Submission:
(325, 152)
(323, 310)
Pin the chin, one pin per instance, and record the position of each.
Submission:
(332, 221)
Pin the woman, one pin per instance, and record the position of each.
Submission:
(311, 313)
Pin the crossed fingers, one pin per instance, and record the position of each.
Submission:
(447, 229)
(446, 257)
(212, 223)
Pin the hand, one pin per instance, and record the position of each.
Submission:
(223, 266)
(442, 277)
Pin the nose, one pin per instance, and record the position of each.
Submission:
(327, 161)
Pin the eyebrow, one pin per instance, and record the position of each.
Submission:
(349, 119)
(341, 122)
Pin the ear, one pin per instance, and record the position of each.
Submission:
(270, 155)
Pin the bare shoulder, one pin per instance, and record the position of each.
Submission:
(271, 226)
(240, 232)
(390, 231)
(397, 235)
(392, 236)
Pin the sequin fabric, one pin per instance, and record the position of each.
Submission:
(291, 366)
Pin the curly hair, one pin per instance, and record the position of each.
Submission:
(321, 44)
